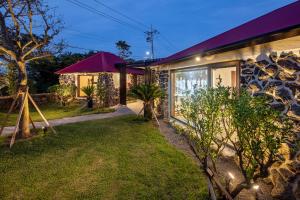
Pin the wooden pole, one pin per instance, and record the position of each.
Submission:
(33, 126)
(154, 115)
(123, 84)
(9, 112)
(13, 138)
(41, 114)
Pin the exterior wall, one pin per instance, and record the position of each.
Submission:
(112, 93)
(278, 77)
(263, 71)
(163, 104)
(111, 80)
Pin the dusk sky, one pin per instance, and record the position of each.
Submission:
(181, 23)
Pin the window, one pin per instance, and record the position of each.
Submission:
(184, 81)
(226, 76)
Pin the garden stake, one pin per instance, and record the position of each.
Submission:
(13, 138)
(41, 114)
(33, 126)
(154, 115)
(9, 112)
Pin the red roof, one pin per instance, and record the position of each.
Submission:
(99, 62)
(282, 18)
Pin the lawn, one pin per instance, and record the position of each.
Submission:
(54, 111)
(119, 158)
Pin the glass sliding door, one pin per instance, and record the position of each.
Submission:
(184, 81)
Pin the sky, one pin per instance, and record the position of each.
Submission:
(181, 23)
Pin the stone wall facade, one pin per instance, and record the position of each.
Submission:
(278, 77)
(162, 77)
(67, 79)
(111, 93)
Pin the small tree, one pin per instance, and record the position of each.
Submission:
(260, 131)
(27, 28)
(147, 93)
(204, 111)
(89, 91)
(64, 92)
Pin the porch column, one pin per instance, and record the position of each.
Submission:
(123, 83)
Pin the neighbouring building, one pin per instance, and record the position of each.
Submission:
(99, 67)
(261, 55)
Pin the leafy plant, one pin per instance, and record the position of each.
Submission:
(260, 131)
(89, 91)
(64, 92)
(219, 116)
(147, 93)
(102, 91)
(204, 111)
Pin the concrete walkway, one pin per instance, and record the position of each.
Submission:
(131, 108)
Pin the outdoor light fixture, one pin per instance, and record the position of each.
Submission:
(44, 129)
(255, 187)
(147, 53)
(197, 58)
(231, 175)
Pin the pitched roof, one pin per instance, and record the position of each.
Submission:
(99, 62)
(280, 19)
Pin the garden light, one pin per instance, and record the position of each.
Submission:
(255, 187)
(231, 175)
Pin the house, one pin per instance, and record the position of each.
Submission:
(261, 55)
(98, 67)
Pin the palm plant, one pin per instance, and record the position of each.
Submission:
(89, 91)
(147, 93)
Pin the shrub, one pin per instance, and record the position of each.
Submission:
(65, 92)
(147, 93)
(219, 116)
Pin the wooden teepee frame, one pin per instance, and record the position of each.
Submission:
(13, 138)
(153, 112)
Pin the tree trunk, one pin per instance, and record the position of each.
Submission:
(24, 128)
(147, 111)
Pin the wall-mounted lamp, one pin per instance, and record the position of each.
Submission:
(198, 58)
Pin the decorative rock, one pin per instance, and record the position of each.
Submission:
(278, 106)
(283, 93)
(256, 70)
(289, 65)
(263, 75)
(286, 77)
(273, 56)
(293, 86)
(271, 70)
(254, 86)
(247, 72)
(295, 109)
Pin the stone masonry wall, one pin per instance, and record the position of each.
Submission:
(112, 95)
(66, 79)
(278, 77)
(162, 79)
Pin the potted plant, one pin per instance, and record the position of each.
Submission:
(89, 91)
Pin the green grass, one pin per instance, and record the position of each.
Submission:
(54, 111)
(119, 158)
